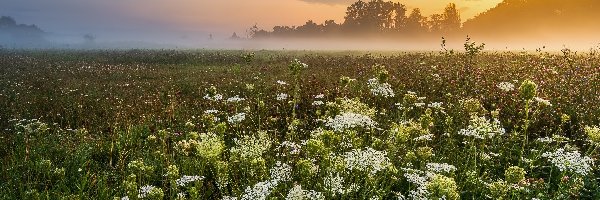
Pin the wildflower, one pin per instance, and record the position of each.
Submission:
(145, 190)
(570, 161)
(528, 90)
(380, 89)
(281, 96)
(506, 86)
(317, 103)
(545, 140)
(368, 160)
(440, 167)
(216, 97)
(237, 118)
(482, 128)
(290, 147)
(514, 175)
(442, 187)
(543, 101)
(436, 105)
(281, 172)
(319, 96)
(334, 184)
(349, 120)
(259, 191)
(593, 133)
(297, 193)
(251, 147)
(235, 99)
(280, 82)
(427, 137)
(211, 111)
(188, 179)
(210, 146)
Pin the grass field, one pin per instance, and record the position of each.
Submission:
(208, 124)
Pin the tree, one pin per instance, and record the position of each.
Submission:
(451, 19)
(374, 16)
(416, 22)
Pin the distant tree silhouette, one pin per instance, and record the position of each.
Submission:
(374, 17)
(12, 33)
(416, 22)
(234, 36)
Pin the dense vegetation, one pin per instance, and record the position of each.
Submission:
(346, 125)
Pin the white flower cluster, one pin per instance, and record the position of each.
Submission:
(216, 97)
(334, 184)
(570, 161)
(482, 128)
(317, 103)
(436, 105)
(290, 148)
(237, 118)
(543, 101)
(297, 193)
(545, 140)
(211, 111)
(380, 89)
(506, 86)
(259, 191)
(187, 179)
(427, 137)
(282, 96)
(440, 167)
(250, 147)
(281, 172)
(280, 82)
(350, 120)
(421, 179)
(319, 96)
(368, 160)
(235, 99)
(144, 190)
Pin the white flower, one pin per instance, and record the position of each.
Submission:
(543, 101)
(481, 128)
(436, 105)
(440, 167)
(281, 172)
(297, 193)
(181, 195)
(350, 120)
(125, 198)
(334, 184)
(420, 104)
(317, 103)
(280, 82)
(251, 147)
(144, 191)
(235, 99)
(506, 86)
(380, 89)
(368, 160)
(545, 140)
(319, 96)
(427, 137)
(290, 148)
(229, 198)
(187, 179)
(237, 118)
(282, 96)
(570, 161)
(211, 111)
(216, 97)
(259, 191)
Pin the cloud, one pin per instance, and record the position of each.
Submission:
(331, 2)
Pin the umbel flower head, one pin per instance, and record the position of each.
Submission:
(593, 133)
(528, 90)
(514, 174)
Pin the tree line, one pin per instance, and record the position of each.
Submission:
(375, 17)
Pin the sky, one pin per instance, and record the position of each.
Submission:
(147, 19)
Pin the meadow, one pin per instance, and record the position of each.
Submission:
(225, 124)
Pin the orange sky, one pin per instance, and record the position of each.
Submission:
(237, 15)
